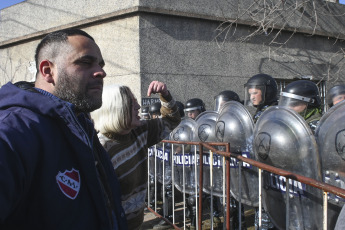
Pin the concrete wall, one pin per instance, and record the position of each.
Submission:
(179, 42)
(184, 52)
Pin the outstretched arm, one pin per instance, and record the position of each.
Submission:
(170, 116)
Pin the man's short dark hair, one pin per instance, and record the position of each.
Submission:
(59, 36)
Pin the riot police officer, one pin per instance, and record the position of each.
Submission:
(261, 92)
(194, 107)
(145, 113)
(282, 139)
(335, 95)
(219, 100)
(155, 110)
(303, 97)
(224, 96)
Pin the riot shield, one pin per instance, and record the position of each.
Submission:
(184, 156)
(330, 137)
(159, 160)
(184, 131)
(205, 132)
(284, 140)
(235, 126)
(163, 163)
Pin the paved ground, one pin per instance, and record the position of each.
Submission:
(150, 220)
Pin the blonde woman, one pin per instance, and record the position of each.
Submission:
(127, 138)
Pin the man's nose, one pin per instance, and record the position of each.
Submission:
(100, 74)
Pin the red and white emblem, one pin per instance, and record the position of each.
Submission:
(69, 183)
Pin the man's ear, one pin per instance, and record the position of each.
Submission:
(47, 71)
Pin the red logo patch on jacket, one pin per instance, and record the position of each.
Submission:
(69, 183)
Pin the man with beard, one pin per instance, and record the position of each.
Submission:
(54, 174)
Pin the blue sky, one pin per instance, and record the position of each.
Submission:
(7, 3)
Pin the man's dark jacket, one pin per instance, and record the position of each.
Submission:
(48, 177)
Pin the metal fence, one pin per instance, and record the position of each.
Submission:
(187, 161)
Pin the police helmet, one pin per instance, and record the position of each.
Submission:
(195, 104)
(334, 92)
(155, 109)
(224, 96)
(266, 84)
(145, 113)
(180, 107)
(301, 91)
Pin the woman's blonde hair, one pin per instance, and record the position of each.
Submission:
(115, 115)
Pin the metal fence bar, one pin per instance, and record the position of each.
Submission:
(211, 185)
(148, 179)
(173, 182)
(240, 197)
(288, 203)
(260, 198)
(155, 157)
(201, 182)
(224, 188)
(196, 188)
(228, 188)
(184, 188)
(165, 205)
(325, 203)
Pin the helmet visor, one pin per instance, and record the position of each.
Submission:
(338, 98)
(219, 102)
(336, 95)
(192, 108)
(295, 102)
(145, 116)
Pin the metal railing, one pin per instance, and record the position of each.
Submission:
(166, 157)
